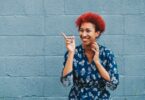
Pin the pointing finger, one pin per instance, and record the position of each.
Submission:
(64, 35)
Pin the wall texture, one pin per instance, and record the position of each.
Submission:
(32, 49)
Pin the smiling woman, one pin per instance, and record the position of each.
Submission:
(90, 66)
(95, 19)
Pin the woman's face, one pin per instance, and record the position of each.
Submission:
(88, 34)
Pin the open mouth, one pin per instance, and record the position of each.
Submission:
(84, 39)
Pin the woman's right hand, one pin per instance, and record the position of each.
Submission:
(70, 43)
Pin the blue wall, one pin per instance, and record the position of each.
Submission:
(31, 48)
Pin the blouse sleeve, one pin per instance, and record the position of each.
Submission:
(113, 72)
(67, 79)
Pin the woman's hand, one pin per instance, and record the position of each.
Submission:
(70, 43)
(95, 48)
(103, 72)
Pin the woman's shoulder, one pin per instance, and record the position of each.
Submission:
(105, 50)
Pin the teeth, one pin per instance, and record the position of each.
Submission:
(84, 38)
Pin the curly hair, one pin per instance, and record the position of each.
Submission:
(93, 18)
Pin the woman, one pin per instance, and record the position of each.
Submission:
(90, 66)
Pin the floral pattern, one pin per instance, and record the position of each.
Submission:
(87, 84)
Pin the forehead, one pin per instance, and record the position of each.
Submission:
(87, 25)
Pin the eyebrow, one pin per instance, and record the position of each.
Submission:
(86, 28)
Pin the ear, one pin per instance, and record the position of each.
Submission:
(97, 33)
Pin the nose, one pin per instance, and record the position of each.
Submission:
(84, 34)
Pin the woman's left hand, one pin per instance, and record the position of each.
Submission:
(95, 48)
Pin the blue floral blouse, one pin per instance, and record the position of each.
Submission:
(85, 78)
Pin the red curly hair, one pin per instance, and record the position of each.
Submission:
(93, 18)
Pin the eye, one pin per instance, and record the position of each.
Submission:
(88, 31)
(81, 30)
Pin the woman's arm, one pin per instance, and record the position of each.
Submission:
(102, 70)
(110, 75)
(70, 45)
(69, 64)
(67, 75)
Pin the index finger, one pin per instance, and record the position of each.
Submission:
(64, 35)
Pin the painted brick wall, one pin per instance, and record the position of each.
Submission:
(31, 48)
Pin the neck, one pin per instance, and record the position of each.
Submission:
(88, 49)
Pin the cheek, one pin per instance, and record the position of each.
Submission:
(92, 37)
(80, 35)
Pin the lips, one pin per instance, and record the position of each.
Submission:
(84, 39)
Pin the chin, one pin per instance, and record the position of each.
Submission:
(86, 44)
